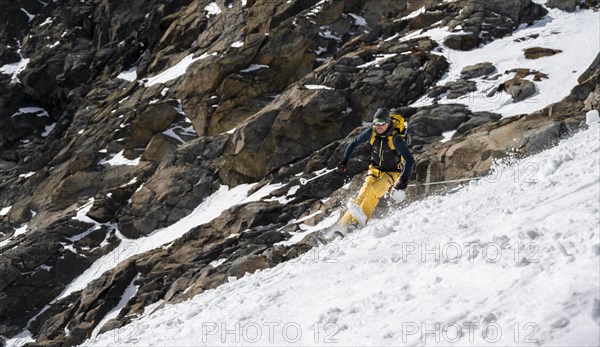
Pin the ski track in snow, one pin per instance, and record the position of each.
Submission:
(527, 271)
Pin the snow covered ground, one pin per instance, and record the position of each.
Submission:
(509, 260)
(576, 34)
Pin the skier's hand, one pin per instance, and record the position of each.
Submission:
(398, 195)
(401, 184)
(343, 166)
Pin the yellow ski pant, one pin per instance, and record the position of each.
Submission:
(376, 185)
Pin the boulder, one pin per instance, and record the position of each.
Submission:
(432, 121)
(519, 89)
(425, 19)
(522, 73)
(520, 11)
(478, 119)
(453, 89)
(460, 88)
(565, 5)
(477, 70)
(248, 264)
(538, 52)
(464, 42)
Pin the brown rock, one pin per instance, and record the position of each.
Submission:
(592, 102)
(518, 88)
(478, 70)
(159, 146)
(522, 73)
(156, 118)
(425, 19)
(539, 52)
(249, 265)
(300, 122)
(82, 161)
(462, 42)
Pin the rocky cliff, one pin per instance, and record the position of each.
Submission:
(120, 117)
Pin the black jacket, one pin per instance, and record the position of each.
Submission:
(382, 156)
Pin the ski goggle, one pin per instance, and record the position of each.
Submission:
(379, 123)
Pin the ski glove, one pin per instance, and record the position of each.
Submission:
(398, 195)
(401, 185)
(343, 166)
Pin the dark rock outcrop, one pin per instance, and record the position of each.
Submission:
(432, 121)
(453, 90)
(519, 89)
(478, 70)
(565, 5)
(462, 42)
(483, 21)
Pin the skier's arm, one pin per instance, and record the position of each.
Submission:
(362, 138)
(402, 150)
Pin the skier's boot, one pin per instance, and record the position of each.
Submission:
(357, 213)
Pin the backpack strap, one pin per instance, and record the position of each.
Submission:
(391, 139)
(395, 131)
(373, 136)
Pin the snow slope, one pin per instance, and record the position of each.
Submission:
(509, 260)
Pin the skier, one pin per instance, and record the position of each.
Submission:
(388, 149)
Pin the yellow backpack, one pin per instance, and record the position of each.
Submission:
(400, 127)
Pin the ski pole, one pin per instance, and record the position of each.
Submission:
(389, 192)
(304, 181)
(444, 182)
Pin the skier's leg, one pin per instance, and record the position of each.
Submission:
(376, 191)
(369, 182)
(347, 218)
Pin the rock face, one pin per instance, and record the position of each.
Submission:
(484, 21)
(127, 115)
(289, 130)
(430, 122)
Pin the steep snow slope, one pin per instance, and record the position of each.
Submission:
(509, 260)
